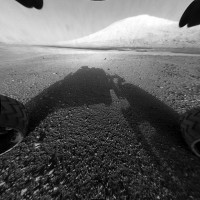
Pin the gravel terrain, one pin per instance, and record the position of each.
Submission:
(103, 124)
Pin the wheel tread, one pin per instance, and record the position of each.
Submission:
(13, 114)
(190, 127)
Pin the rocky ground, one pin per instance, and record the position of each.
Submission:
(103, 125)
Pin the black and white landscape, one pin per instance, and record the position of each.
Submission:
(104, 113)
(140, 31)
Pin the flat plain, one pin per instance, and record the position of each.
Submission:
(103, 124)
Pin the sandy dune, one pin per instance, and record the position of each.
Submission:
(102, 124)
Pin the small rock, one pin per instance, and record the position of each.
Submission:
(51, 172)
(23, 191)
(37, 179)
(2, 183)
(37, 145)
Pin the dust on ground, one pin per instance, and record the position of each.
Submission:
(103, 125)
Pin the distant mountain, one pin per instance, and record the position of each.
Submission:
(140, 31)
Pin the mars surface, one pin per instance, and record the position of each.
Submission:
(103, 123)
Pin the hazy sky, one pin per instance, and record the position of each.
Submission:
(69, 19)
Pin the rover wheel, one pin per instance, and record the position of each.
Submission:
(13, 123)
(190, 128)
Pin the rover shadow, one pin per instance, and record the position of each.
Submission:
(89, 86)
(86, 86)
(146, 108)
(164, 142)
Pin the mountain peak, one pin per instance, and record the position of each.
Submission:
(142, 30)
(146, 20)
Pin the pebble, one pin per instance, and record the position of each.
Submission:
(51, 172)
(23, 191)
(37, 178)
(2, 183)
(37, 145)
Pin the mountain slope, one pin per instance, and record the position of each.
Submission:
(143, 30)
